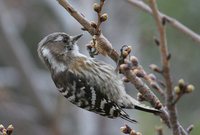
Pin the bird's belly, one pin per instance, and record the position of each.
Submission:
(100, 105)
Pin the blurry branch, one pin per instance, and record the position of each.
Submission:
(171, 21)
(160, 22)
(137, 82)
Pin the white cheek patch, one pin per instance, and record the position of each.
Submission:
(46, 52)
(55, 65)
(59, 38)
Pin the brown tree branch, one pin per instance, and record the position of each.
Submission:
(171, 21)
(152, 82)
(160, 22)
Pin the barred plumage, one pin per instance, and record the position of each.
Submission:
(87, 83)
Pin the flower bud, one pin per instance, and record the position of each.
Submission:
(153, 85)
(133, 132)
(4, 132)
(181, 83)
(134, 60)
(126, 129)
(177, 90)
(155, 68)
(1, 127)
(125, 54)
(190, 88)
(158, 105)
(128, 49)
(138, 133)
(140, 97)
(124, 67)
(96, 7)
(152, 76)
(104, 17)
(138, 73)
(10, 129)
(125, 79)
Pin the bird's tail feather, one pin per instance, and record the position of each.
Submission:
(142, 107)
(125, 116)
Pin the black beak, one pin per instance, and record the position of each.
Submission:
(75, 38)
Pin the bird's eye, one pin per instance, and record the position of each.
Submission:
(65, 39)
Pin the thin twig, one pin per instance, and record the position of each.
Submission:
(154, 84)
(171, 21)
(177, 98)
(166, 70)
(190, 128)
(99, 15)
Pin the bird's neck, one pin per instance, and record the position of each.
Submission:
(75, 52)
(53, 61)
(61, 62)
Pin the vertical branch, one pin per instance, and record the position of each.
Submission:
(169, 96)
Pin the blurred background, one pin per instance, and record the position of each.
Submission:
(28, 97)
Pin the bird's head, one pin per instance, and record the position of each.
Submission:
(53, 47)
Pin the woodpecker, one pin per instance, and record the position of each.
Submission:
(89, 84)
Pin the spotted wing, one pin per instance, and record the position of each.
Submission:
(85, 94)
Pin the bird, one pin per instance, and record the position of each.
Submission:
(88, 83)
